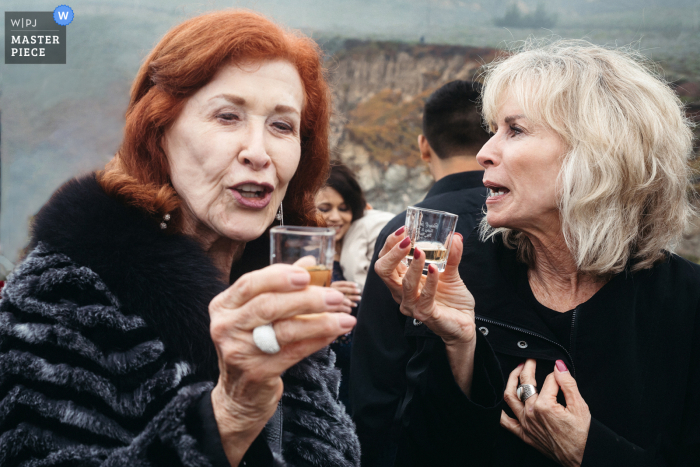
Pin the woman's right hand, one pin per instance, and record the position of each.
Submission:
(441, 301)
(305, 320)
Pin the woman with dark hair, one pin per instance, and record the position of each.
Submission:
(342, 206)
(126, 339)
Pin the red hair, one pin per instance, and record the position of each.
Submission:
(185, 60)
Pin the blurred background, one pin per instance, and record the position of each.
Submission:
(384, 57)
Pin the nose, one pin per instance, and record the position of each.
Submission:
(254, 152)
(334, 215)
(488, 156)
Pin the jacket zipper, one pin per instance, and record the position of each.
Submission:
(515, 328)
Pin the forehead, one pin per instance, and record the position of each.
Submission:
(274, 82)
(329, 195)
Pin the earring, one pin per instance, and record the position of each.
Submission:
(280, 215)
(164, 225)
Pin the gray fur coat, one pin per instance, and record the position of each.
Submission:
(105, 355)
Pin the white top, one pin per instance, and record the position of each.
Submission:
(358, 245)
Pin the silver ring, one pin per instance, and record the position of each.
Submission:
(525, 391)
(265, 339)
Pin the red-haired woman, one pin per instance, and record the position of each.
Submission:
(122, 341)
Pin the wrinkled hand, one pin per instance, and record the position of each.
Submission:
(440, 300)
(556, 431)
(350, 290)
(304, 319)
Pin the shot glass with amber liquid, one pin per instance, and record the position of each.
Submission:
(430, 231)
(289, 244)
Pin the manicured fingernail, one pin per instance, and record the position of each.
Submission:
(521, 365)
(299, 278)
(400, 231)
(460, 236)
(405, 242)
(346, 321)
(416, 254)
(333, 297)
(432, 269)
(561, 366)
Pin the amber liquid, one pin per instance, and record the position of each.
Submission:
(320, 275)
(434, 252)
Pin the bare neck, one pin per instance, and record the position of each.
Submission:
(440, 168)
(221, 250)
(554, 279)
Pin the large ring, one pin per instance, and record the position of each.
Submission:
(265, 339)
(525, 391)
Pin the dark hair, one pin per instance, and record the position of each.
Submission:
(343, 180)
(184, 61)
(452, 123)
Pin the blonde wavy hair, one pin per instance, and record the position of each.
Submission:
(623, 189)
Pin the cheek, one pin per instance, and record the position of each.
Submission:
(287, 160)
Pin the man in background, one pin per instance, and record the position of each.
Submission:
(452, 136)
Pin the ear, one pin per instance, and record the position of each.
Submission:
(424, 147)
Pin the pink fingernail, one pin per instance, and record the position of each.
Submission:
(405, 242)
(416, 254)
(561, 366)
(400, 231)
(346, 321)
(333, 297)
(432, 269)
(521, 365)
(299, 278)
(460, 236)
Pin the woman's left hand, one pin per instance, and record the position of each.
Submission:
(350, 290)
(558, 432)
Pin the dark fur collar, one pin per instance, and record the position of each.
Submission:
(166, 279)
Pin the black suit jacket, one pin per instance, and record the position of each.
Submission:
(380, 350)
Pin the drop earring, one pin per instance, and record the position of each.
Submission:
(280, 215)
(164, 225)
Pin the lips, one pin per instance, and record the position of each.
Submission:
(496, 192)
(251, 194)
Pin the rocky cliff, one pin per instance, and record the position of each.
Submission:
(379, 90)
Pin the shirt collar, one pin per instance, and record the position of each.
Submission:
(457, 181)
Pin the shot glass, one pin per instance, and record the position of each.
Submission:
(288, 244)
(432, 232)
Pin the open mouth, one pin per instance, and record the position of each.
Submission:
(250, 190)
(495, 191)
(253, 195)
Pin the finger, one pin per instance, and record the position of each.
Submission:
(392, 240)
(348, 288)
(527, 376)
(387, 264)
(270, 307)
(455, 256)
(306, 262)
(411, 282)
(510, 394)
(511, 425)
(274, 278)
(316, 326)
(567, 383)
(426, 301)
(550, 389)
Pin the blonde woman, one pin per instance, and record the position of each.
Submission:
(570, 294)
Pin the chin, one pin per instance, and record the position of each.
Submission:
(245, 229)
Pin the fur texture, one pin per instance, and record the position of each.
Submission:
(104, 346)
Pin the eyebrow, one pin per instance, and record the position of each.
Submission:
(238, 100)
(512, 118)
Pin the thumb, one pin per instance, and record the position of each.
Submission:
(566, 382)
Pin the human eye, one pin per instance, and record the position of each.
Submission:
(343, 208)
(323, 208)
(515, 130)
(284, 127)
(228, 117)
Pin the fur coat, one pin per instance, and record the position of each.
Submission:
(105, 354)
